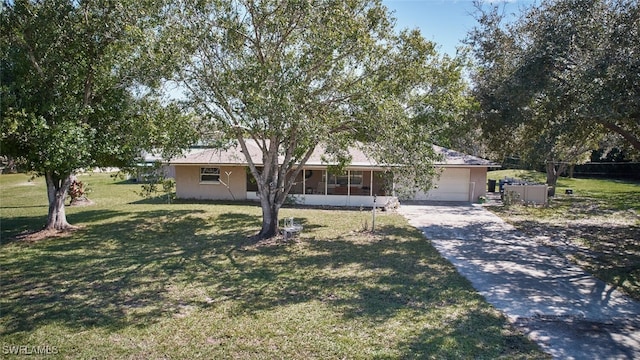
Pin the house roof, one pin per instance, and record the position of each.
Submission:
(456, 158)
(234, 156)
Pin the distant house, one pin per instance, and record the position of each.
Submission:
(224, 175)
(151, 167)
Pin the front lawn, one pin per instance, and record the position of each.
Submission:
(597, 226)
(146, 279)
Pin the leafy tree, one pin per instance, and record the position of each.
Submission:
(293, 74)
(555, 81)
(448, 107)
(76, 89)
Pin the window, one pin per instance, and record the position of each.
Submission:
(210, 175)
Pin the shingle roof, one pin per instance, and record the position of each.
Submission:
(452, 157)
(234, 156)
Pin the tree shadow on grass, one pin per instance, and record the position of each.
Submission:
(233, 221)
(12, 227)
(109, 275)
(133, 269)
(390, 271)
(122, 268)
(464, 335)
(393, 275)
(92, 216)
(609, 251)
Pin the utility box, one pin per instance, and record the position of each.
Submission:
(530, 194)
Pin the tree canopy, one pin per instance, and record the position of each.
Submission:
(77, 80)
(555, 81)
(294, 74)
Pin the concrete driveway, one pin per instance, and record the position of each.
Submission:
(569, 313)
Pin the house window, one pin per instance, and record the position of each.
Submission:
(210, 175)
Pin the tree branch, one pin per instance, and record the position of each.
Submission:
(627, 135)
(256, 31)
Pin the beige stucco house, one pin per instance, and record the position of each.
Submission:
(223, 175)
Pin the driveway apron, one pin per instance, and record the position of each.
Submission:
(571, 314)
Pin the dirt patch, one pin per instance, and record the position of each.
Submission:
(36, 236)
(81, 202)
(253, 242)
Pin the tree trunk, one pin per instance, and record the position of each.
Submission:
(552, 178)
(274, 180)
(57, 188)
(270, 212)
(553, 174)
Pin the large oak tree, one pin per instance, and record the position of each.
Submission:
(76, 88)
(290, 75)
(555, 81)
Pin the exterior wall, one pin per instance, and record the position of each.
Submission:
(478, 183)
(188, 185)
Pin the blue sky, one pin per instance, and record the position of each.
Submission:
(445, 22)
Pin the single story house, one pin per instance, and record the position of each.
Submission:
(224, 175)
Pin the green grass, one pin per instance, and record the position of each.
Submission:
(600, 221)
(145, 280)
(608, 195)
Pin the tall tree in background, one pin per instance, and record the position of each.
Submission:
(76, 88)
(552, 83)
(294, 74)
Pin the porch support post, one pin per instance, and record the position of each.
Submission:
(304, 182)
(393, 184)
(326, 181)
(348, 182)
(371, 185)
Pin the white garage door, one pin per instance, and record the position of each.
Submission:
(453, 185)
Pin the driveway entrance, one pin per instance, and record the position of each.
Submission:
(569, 313)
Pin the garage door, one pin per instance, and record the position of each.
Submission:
(453, 185)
